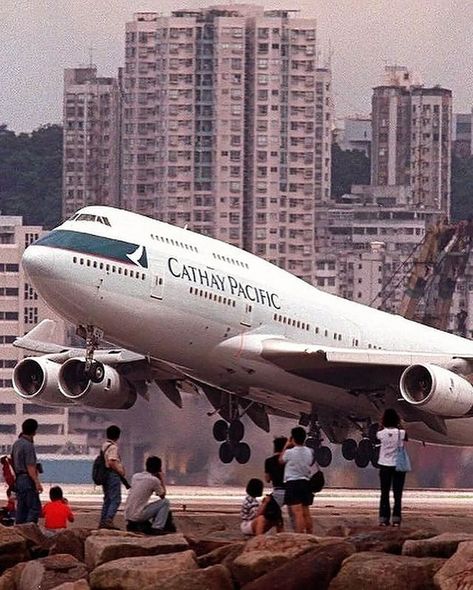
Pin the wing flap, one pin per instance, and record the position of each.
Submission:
(343, 367)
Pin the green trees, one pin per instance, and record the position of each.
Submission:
(31, 174)
(348, 167)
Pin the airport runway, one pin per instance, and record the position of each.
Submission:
(228, 499)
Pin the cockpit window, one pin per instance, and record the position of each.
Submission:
(96, 245)
(90, 217)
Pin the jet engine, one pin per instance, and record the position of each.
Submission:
(437, 390)
(114, 392)
(37, 377)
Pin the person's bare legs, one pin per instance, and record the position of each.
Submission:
(307, 520)
(298, 512)
(259, 525)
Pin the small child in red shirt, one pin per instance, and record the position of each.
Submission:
(57, 512)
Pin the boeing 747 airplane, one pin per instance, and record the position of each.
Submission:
(187, 311)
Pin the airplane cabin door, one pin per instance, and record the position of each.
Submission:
(157, 280)
(247, 317)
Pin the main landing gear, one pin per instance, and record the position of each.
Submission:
(365, 451)
(231, 434)
(94, 370)
(323, 455)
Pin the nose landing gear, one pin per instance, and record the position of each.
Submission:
(94, 370)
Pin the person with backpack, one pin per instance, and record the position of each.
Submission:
(154, 518)
(114, 473)
(27, 483)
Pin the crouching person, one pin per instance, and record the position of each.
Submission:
(256, 518)
(154, 518)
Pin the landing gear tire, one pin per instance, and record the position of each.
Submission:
(236, 431)
(226, 452)
(220, 430)
(363, 453)
(349, 448)
(375, 456)
(312, 443)
(242, 453)
(323, 456)
(97, 372)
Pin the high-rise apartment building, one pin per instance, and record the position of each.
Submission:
(412, 138)
(21, 308)
(227, 127)
(91, 162)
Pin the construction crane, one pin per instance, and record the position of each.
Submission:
(441, 261)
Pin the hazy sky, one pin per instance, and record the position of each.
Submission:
(38, 38)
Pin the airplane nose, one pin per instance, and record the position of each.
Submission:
(37, 261)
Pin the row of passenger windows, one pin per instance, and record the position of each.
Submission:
(291, 322)
(234, 261)
(174, 242)
(213, 296)
(127, 272)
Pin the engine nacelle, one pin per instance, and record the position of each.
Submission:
(36, 378)
(437, 390)
(112, 393)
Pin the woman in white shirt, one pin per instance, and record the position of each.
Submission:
(390, 437)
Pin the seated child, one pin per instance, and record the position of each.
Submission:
(57, 512)
(253, 519)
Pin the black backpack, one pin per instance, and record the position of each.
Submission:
(99, 468)
(317, 482)
(272, 510)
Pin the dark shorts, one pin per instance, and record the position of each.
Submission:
(298, 492)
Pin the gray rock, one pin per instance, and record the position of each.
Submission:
(457, 572)
(48, 572)
(71, 541)
(13, 547)
(132, 573)
(443, 545)
(314, 569)
(383, 571)
(102, 548)
(216, 577)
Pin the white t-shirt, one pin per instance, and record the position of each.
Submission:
(142, 487)
(390, 439)
(298, 462)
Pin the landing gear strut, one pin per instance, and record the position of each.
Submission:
(93, 369)
(323, 455)
(231, 434)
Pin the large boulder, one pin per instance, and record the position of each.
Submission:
(263, 554)
(198, 527)
(314, 569)
(216, 577)
(384, 539)
(132, 573)
(223, 555)
(71, 541)
(48, 572)
(443, 545)
(102, 548)
(79, 585)
(215, 540)
(383, 571)
(37, 542)
(457, 572)
(10, 578)
(13, 547)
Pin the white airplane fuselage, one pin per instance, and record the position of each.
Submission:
(200, 304)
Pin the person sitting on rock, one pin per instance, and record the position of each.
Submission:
(56, 513)
(253, 519)
(154, 518)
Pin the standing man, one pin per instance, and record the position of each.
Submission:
(298, 460)
(27, 484)
(112, 492)
(139, 515)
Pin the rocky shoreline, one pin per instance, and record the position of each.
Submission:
(210, 554)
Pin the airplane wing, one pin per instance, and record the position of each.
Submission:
(344, 367)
